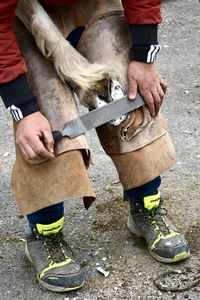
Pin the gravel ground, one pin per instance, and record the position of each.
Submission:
(99, 236)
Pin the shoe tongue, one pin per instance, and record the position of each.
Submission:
(152, 201)
(48, 229)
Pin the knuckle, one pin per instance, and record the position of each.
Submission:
(147, 88)
(157, 100)
(165, 83)
(131, 80)
(32, 156)
(47, 127)
(39, 151)
(150, 102)
(51, 144)
(19, 141)
(144, 92)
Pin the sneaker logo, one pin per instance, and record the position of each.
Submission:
(51, 229)
(155, 200)
(151, 202)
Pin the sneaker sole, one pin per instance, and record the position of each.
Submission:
(132, 228)
(50, 287)
(178, 257)
(54, 288)
(181, 256)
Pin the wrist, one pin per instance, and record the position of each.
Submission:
(18, 98)
(146, 54)
(144, 42)
(21, 111)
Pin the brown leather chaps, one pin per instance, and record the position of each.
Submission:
(139, 147)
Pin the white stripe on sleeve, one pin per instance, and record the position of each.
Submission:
(151, 56)
(15, 112)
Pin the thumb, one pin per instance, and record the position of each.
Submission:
(132, 88)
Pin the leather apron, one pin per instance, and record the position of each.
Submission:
(140, 147)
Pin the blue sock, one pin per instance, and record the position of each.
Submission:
(137, 194)
(46, 215)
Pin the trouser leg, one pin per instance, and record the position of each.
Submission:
(138, 160)
(137, 194)
(50, 182)
(46, 215)
(140, 147)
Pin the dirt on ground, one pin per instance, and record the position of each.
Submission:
(99, 237)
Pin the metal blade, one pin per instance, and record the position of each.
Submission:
(101, 115)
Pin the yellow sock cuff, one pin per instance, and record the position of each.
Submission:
(53, 228)
(152, 201)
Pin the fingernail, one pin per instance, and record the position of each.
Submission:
(131, 96)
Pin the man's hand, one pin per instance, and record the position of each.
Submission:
(146, 78)
(34, 138)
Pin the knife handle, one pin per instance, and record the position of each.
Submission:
(57, 136)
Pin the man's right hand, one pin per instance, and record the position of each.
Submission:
(34, 138)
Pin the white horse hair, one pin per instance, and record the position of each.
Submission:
(70, 65)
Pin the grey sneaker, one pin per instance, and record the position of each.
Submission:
(52, 258)
(149, 221)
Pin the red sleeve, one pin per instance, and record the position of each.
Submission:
(142, 11)
(12, 64)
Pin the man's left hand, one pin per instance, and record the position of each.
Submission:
(146, 78)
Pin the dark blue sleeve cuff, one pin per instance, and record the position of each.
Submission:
(19, 98)
(144, 42)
